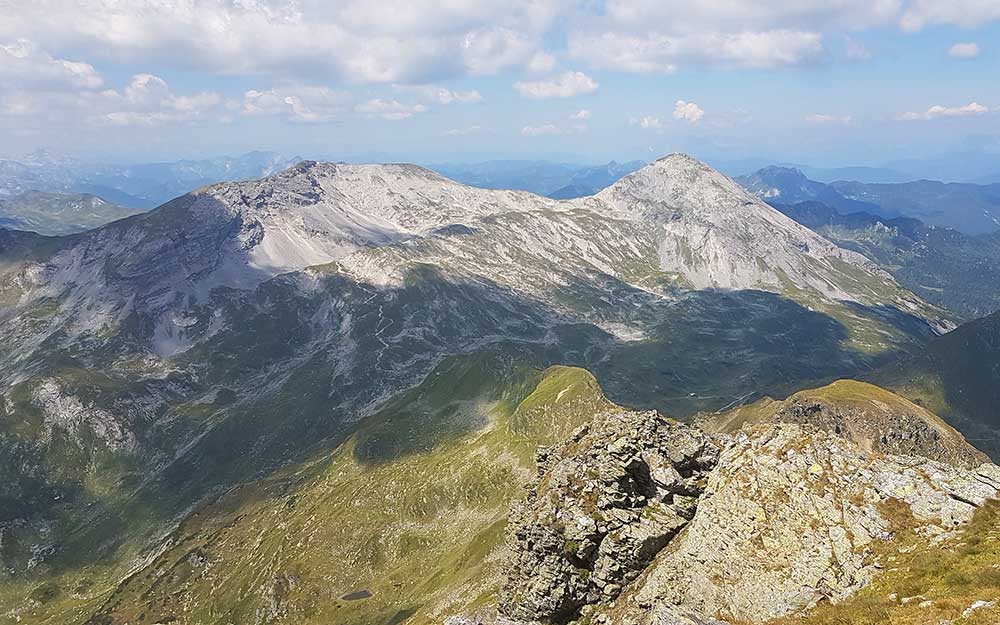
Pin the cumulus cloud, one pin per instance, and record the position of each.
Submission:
(349, 40)
(553, 129)
(824, 118)
(968, 50)
(392, 110)
(663, 53)
(440, 95)
(23, 63)
(688, 111)
(464, 132)
(302, 104)
(147, 100)
(965, 13)
(934, 112)
(752, 15)
(542, 62)
(565, 85)
(581, 114)
(648, 121)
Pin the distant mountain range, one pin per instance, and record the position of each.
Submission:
(969, 208)
(58, 213)
(139, 186)
(555, 180)
(956, 271)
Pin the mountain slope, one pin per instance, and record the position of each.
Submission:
(58, 213)
(784, 185)
(154, 364)
(958, 377)
(969, 208)
(953, 270)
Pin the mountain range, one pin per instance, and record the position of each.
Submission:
(968, 208)
(138, 186)
(58, 213)
(555, 180)
(317, 396)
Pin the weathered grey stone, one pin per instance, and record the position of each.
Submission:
(601, 511)
(791, 516)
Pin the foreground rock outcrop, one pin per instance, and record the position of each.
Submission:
(638, 519)
(794, 515)
(604, 504)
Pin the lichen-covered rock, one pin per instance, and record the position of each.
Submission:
(604, 504)
(791, 516)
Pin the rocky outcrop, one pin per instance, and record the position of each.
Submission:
(794, 515)
(638, 519)
(603, 505)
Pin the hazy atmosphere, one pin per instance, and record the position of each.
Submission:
(824, 82)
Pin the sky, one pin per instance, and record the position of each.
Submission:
(827, 82)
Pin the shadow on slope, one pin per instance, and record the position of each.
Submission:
(958, 377)
(306, 354)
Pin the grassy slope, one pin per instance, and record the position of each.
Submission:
(958, 377)
(953, 575)
(410, 509)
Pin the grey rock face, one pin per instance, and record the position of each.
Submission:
(792, 516)
(603, 505)
(639, 520)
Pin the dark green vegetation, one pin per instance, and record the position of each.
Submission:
(953, 270)
(957, 377)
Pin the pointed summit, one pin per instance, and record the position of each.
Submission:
(718, 235)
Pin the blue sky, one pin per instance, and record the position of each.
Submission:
(827, 82)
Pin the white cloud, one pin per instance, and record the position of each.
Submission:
(544, 129)
(392, 110)
(752, 15)
(688, 111)
(934, 112)
(464, 132)
(303, 104)
(553, 129)
(565, 85)
(965, 13)
(147, 100)
(823, 118)
(23, 64)
(968, 50)
(663, 53)
(648, 121)
(542, 62)
(349, 40)
(440, 95)
(581, 114)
